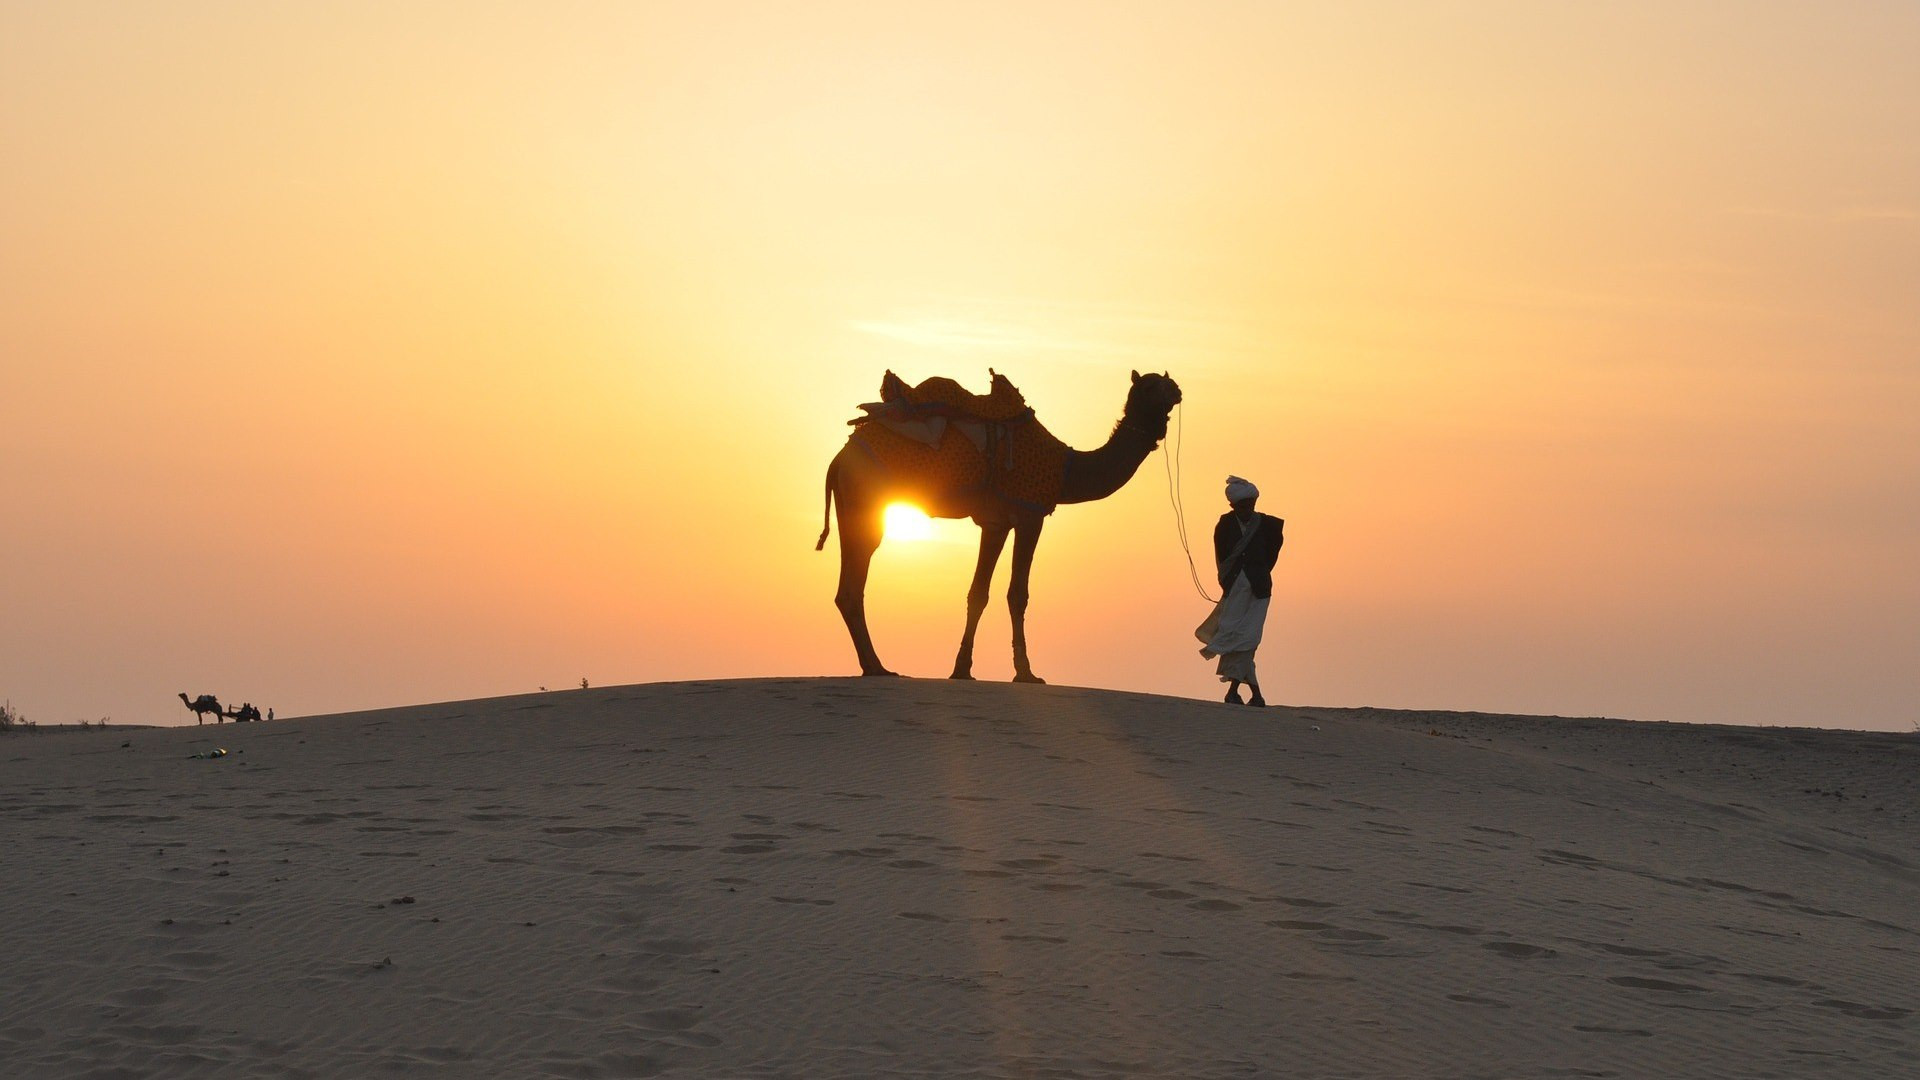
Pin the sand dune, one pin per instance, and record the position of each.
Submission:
(828, 878)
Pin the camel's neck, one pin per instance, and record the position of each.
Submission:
(1096, 474)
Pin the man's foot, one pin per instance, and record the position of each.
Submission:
(1029, 677)
(1258, 702)
(1233, 698)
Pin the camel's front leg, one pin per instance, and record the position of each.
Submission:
(1026, 537)
(860, 534)
(993, 537)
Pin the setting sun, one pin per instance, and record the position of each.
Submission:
(908, 522)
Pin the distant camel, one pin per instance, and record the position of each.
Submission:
(205, 703)
(988, 475)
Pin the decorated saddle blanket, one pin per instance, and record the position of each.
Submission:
(948, 444)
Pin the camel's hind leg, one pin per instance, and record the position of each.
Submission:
(860, 530)
(993, 537)
(1026, 538)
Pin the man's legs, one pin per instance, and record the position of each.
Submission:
(1233, 693)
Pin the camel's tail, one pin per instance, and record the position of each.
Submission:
(826, 516)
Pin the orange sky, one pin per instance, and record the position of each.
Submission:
(361, 354)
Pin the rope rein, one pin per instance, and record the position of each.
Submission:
(1177, 498)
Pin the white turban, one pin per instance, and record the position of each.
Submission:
(1238, 489)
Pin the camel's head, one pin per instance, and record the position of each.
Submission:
(1151, 400)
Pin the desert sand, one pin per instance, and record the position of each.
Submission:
(847, 878)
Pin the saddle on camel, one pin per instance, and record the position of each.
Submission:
(1002, 451)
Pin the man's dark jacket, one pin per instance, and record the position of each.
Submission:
(1257, 560)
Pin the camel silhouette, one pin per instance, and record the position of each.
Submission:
(205, 703)
(987, 475)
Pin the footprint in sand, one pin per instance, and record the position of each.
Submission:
(623, 1065)
(672, 947)
(158, 1035)
(1519, 951)
(629, 984)
(1778, 980)
(1628, 950)
(195, 959)
(1633, 982)
(627, 1065)
(1864, 1012)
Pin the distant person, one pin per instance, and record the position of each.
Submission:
(1246, 544)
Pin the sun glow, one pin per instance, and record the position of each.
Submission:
(906, 521)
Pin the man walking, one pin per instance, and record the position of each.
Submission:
(1246, 544)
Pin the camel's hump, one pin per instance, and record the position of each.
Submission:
(939, 393)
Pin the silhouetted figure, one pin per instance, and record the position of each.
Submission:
(269, 713)
(960, 455)
(1246, 544)
(245, 714)
(205, 703)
